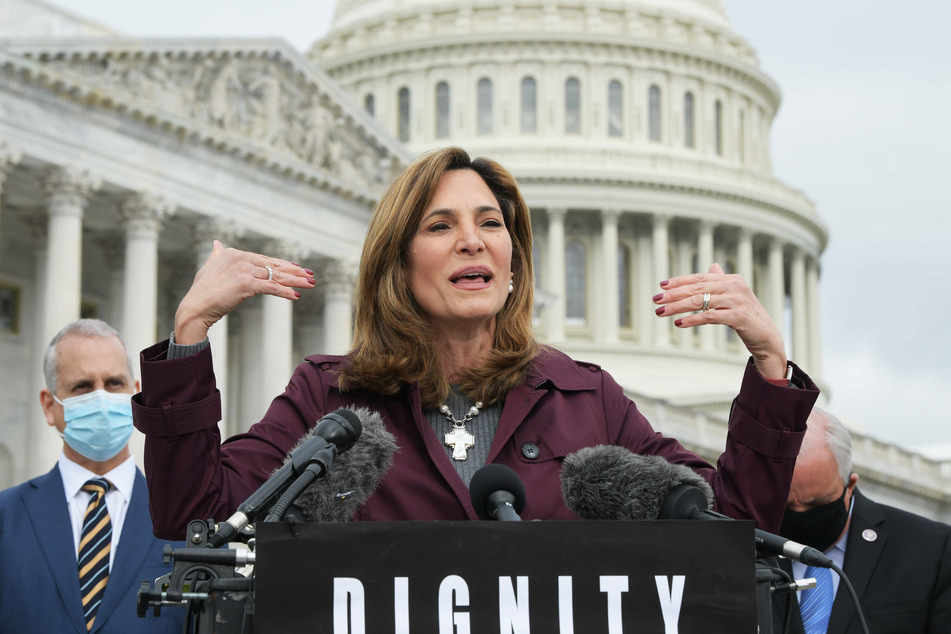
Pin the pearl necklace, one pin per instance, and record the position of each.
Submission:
(459, 438)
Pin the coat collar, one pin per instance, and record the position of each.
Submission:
(45, 502)
(861, 557)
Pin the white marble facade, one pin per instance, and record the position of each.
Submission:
(639, 132)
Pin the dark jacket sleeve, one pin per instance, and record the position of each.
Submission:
(190, 474)
(767, 424)
(752, 476)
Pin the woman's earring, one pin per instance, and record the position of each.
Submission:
(511, 286)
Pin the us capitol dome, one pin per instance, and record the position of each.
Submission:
(639, 133)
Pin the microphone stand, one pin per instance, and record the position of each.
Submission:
(310, 469)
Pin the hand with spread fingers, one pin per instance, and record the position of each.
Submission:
(717, 298)
(229, 277)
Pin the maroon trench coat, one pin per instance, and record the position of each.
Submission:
(562, 406)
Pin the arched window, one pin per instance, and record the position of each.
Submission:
(484, 122)
(615, 109)
(403, 124)
(718, 127)
(653, 113)
(529, 109)
(575, 290)
(442, 110)
(369, 104)
(689, 140)
(572, 106)
(624, 285)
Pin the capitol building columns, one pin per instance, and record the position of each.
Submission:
(609, 309)
(661, 269)
(142, 217)
(67, 191)
(631, 252)
(339, 279)
(744, 255)
(704, 260)
(555, 278)
(9, 157)
(799, 307)
(814, 327)
(775, 299)
(277, 329)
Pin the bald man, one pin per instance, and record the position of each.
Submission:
(899, 563)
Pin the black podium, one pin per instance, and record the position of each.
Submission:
(556, 577)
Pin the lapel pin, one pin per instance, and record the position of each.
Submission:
(869, 535)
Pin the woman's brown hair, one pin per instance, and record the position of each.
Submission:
(392, 344)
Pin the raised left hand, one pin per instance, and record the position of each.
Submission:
(731, 302)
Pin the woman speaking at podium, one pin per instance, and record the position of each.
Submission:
(443, 350)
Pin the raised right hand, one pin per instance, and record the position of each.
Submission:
(229, 277)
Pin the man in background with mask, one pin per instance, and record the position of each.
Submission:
(76, 543)
(899, 563)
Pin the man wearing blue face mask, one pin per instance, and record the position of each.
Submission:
(899, 563)
(76, 543)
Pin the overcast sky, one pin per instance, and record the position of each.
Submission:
(863, 130)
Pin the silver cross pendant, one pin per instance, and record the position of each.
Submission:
(459, 439)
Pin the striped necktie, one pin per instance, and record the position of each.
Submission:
(94, 547)
(815, 605)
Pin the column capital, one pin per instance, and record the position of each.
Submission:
(798, 256)
(9, 156)
(69, 186)
(285, 249)
(342, 272)
(556, 213)
(145, 211)
(216, 228)
(611, 215)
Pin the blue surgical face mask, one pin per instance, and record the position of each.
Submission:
(98, 424)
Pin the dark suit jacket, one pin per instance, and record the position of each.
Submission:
(902, 577)
(39, 580)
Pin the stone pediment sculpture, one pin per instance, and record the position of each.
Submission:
(258, 99)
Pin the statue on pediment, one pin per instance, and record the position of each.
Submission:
(248, 97)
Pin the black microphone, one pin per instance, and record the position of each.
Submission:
(497, 493)
(609, 482)
(334, 433)
(355, 476)
(686, 502)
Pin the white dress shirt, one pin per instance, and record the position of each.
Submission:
(117, 500)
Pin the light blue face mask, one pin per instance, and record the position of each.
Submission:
(98, 424)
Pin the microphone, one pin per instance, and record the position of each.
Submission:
(685, 502)
(356, 474)
(608, 482)
(497, 493)
(334, 433)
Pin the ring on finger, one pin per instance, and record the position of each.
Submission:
(270, 272)
(706, 302)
